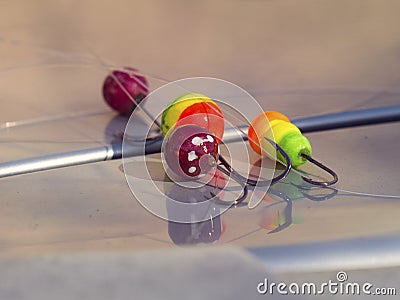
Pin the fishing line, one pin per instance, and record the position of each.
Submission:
(89, 61)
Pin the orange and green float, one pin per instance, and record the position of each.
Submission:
(277, 127)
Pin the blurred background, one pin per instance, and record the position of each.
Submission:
(259, 45)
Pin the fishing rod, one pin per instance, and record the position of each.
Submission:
(116, 151)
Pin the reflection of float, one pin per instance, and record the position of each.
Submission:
(277, 212)
(207, 231)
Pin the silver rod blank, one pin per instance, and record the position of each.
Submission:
(114, 151)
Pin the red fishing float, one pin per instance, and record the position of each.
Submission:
(124, 89)
(189, 152)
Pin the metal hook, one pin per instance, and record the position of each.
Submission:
(245, 190)
(323, 167)
(258, 182)
(229, 171)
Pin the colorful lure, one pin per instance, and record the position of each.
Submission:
(195, 109)
(189, 151)
(193, 126)
(124, 89)
(275, 126)
(278, 127)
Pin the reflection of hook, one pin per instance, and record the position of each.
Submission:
(287, 211)
(244, 182)
(317, 198)
(295, 188)
(323, 167)
(321, 197)
(245, 190)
